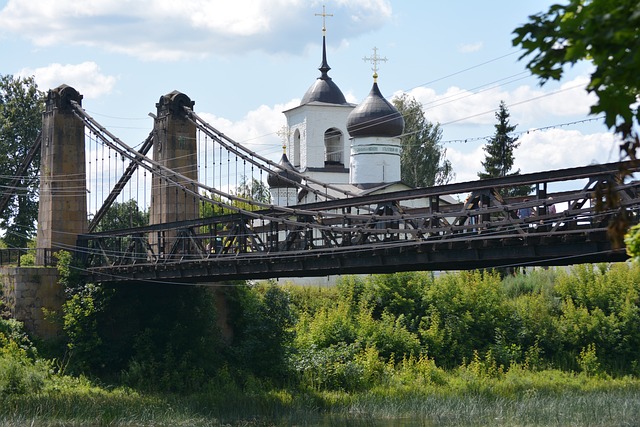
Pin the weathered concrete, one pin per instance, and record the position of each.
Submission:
(29, 293)
(63, 190)
(174, 147)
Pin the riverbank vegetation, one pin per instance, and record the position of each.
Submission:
(549, 347)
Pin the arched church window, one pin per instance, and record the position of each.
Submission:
(296, 148)
(333, 147)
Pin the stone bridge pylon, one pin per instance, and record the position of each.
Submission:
(62, 214)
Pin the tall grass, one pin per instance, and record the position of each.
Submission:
(544, 402)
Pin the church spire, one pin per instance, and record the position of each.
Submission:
(324, 89)
(324, 67)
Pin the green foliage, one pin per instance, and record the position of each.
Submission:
(161, 337)
(12, 331)
(399, 294)
(604, 32)
(80, 315)
(21, 372)
(262, 327)
(499, 157)
(464, 312)
(632, 242)
(328, 326)
(588, 360)
(540, 320)
(601, 308)
(21, 107)
(423, 157)
(80, 325)
(330, 368)
(353, 353)
(253, 190)
(122, 215)
(29, 259)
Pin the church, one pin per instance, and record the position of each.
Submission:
(354, 148)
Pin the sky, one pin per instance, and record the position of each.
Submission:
(246, 61)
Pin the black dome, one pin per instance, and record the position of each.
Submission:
(375, 116)
(324, 90)
(276, 180)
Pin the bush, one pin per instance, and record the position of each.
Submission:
(345, 367)
(262, 319)
(464, 312)
(601, 308)
(20, 371)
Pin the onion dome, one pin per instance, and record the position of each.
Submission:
(288, 171)
(375, 116)
(324, 89)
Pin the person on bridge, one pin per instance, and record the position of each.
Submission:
(525, 212)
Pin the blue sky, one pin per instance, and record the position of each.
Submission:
(244, 62)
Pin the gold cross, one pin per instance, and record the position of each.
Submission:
(374, 60)
(284, 134)
(324, 15)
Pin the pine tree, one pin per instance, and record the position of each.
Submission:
(499, 157)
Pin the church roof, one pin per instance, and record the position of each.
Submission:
(324, 89)
(277, 179)
(375, 116)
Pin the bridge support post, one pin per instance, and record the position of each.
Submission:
(62, 214)
(175, 148)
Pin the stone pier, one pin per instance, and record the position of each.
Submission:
(29, 293)
(175, 148)
(62, 215)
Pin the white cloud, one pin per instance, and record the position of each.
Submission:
(542, 151)
(172, 30)
(562, 148)
(470, 47)
(86, 78)
(525, 103)
(257, 130)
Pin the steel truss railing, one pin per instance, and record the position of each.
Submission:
(393, 220)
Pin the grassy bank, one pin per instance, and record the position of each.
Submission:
(406, 395)
(551, 347)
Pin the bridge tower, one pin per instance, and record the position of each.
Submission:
(62, 215)
(175, 148)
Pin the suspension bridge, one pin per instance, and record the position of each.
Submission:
(204, 224)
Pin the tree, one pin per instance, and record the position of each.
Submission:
(122, 216)
(253, 190)
(604, 32)
(423, 157)
(499, 157)
(21, 107)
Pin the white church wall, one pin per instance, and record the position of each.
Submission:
(374, 160)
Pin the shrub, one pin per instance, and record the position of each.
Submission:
(389, 335)
(20, 371)
(345, 367)
(263, 338)
(463, 312)
(601, 307)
